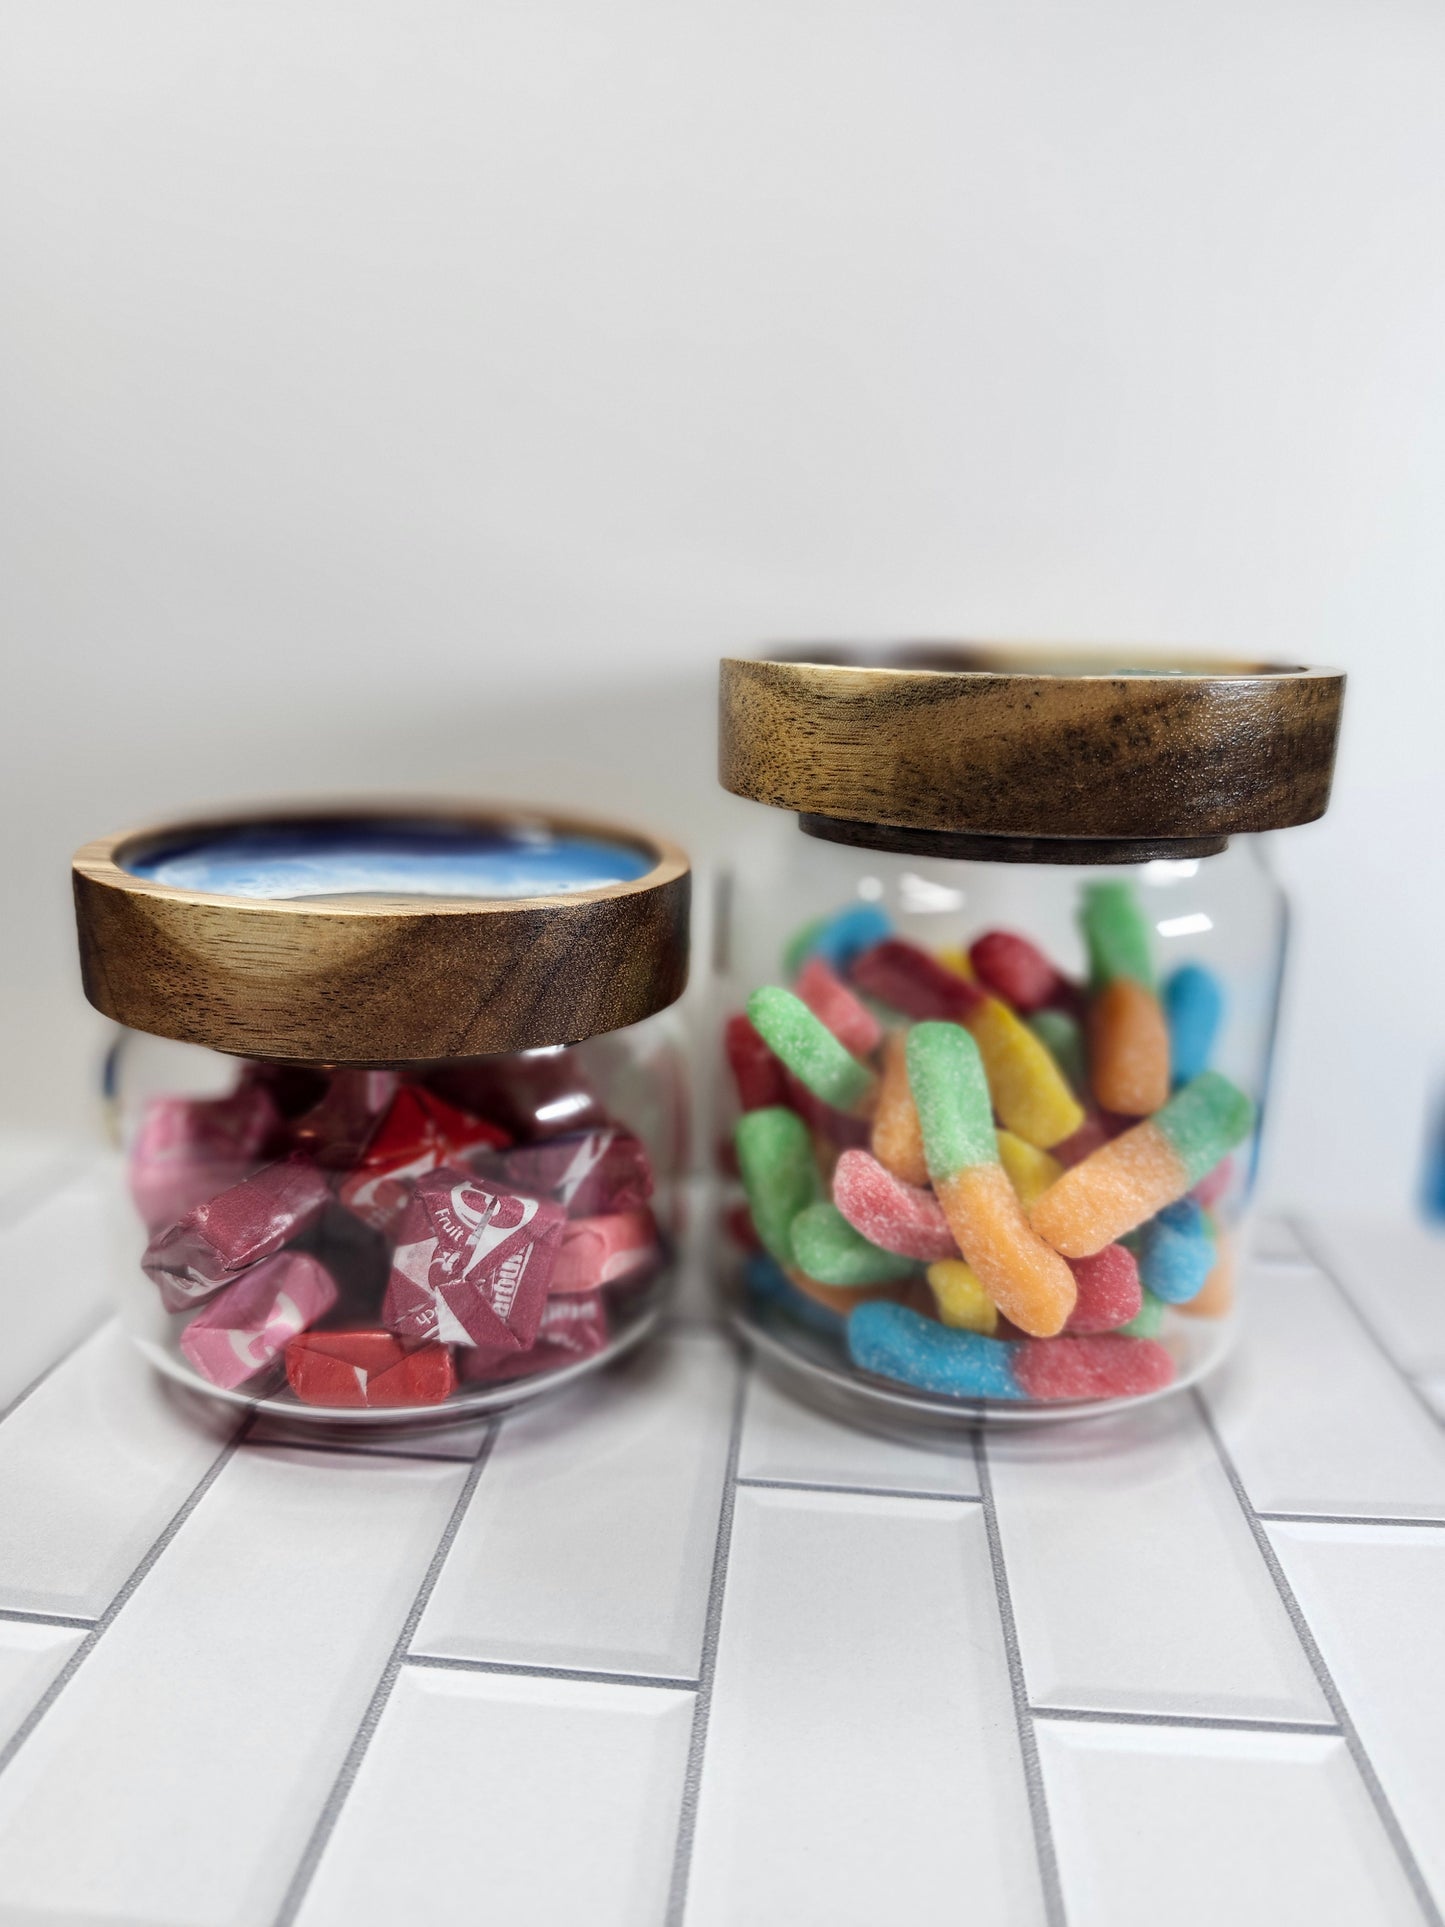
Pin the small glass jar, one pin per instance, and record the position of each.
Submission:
(997, 1026)
(401, 1121)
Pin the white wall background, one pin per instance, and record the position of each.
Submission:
(425, 393)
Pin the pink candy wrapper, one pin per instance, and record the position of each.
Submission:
(472, 1264)
(234, 1230)
(187, 1149)
(337, 1130)
(248, 1325)
(605, 1171)
(605, 1250)
(571, 1328)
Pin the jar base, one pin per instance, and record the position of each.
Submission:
(814, 1369)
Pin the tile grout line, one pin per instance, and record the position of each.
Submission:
(862, 1491)
(1364, 1766)
(54, 1366)
(1055, 1912)
(1329, 1272)
(361, 1451)
(1346, 1519)
(702, 1704)
(341, 1786)
(1208, 1722)
(517, 1669)
(21, 1615)
(100, 1626)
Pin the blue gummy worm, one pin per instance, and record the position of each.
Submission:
(1194, 1005)
(767, 1283)
(851, 932)
(893, 1342)
(1176, 1252)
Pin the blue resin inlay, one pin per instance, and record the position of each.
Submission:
(400, 859)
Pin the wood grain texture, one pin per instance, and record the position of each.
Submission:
(381, 980)
(985, 742)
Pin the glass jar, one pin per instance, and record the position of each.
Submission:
(997, 1025)
(402, 1124)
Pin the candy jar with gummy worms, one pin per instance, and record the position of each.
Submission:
(402, 1119)
(997, 1016)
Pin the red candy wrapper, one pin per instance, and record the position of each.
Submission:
(606, 1250)
(472, 1263)
(571, 1328)
(601, 1172)
(534, 1095)
(187, 1149)
(247, 1326)
(367, 1368)
(419, 1133)
(338, 1129)
(234, 1230)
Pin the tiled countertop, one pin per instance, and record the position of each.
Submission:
(678, 1650)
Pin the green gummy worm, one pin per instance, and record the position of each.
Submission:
(1147, 1320)
(946, 1077)
(1203, 1120)
(827, 1247)
(808, 1048)
(1117, 934)
(1061, 1036)
(780, 1174)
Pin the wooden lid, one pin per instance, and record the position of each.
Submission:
(361, 977)
(1025, 754)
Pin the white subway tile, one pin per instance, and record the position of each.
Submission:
(1395, 1273)
(524, 1801)
(429, 1442)
(1195, 1827)
(1274, 1241)
(1136, 1582)
(862, 1759)
(590, 1541)
(53, 1281)
(1374, 1597)
(1315, 1419)
(30, 1657)
(178, 1776)
(33, 1164)
(92, 1467)
(784, 1439)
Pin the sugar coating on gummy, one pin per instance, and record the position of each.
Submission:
(358, 1369)
(188, 1149)
(1030, 1171)
(838, 938)
(1029, 1091)
(605, 1250)
(1176, 1252)
(1030, 1284)
(809, 1049)
(779, 1173)
(1148, 1321)
(238, 1228)
(1194, 1006)
(587, 1173)
(1128, 1048)
(1116, 933)
(889, 1213)
(896, 1137)
(1110, 1291)
(1107, 1366)
(962, 1302)
(912, 981)
(472, 1263)
(831, 1001)
(828, 1249)
(1015, 969)
(572, 1328)
(1063, 1038)
(892, 1342)
(248, 1325)
(756, 1072)
(1215, 1297)
(1127, 1180)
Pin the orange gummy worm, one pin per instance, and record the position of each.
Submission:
(897, 1139)
(1031, 1285)
(1115, 1188)
(1128, 1049)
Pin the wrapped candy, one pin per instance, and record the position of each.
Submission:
(367, 1369)
(234, 1230)
(602, 1171)
(187, 1149)
(417, 1134)
(248, 1325)
(606, 1250)
(473, 1263)
(572, 1328)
